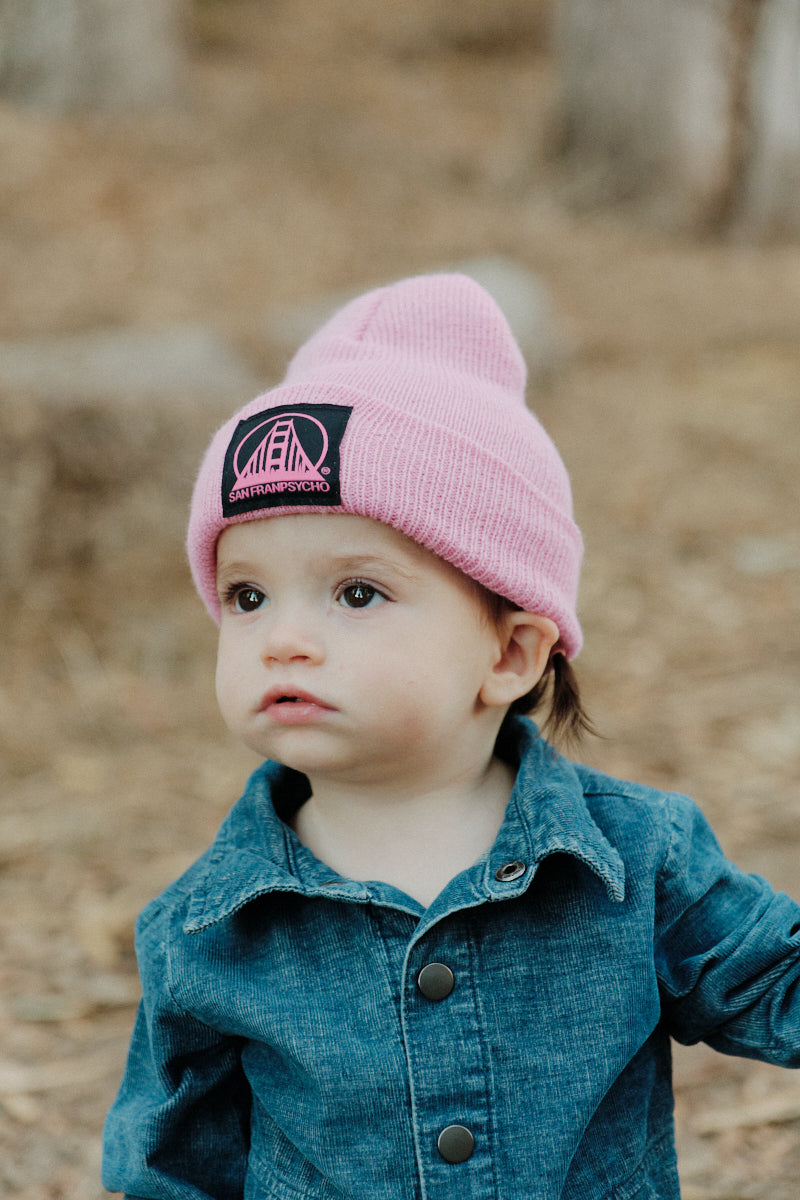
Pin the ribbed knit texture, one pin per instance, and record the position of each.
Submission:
(440, 444)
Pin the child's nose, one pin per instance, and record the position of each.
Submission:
(290, 638)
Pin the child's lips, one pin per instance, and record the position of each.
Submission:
(293, 706)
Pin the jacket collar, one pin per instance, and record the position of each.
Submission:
(255, 853)
(548, 811)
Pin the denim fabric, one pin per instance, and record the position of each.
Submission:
(284, 1050)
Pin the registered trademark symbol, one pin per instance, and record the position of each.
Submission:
(325, 470)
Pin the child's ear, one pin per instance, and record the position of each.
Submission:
(525, 641)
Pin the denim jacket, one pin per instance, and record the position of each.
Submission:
(290, 1044)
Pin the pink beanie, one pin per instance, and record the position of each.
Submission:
(407, 406)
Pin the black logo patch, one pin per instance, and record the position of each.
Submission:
(284, 456)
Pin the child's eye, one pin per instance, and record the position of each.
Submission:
(360, 595)
(245, 599)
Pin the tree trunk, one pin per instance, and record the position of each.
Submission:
(771, 184)
(90, 54)
(691, 106)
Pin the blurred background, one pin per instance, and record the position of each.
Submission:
(186, 188)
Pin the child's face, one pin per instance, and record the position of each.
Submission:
(348, 651)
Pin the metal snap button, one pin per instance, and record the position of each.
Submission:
(436, 981)
(455, 1144)
(510, 870)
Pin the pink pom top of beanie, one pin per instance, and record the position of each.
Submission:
(408, 407)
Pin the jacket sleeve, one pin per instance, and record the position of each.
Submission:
(179, 1127)
(727, 949)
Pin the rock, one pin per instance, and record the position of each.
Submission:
(102, 433)
(520, 294)
(766, 555)
(527, 306)
(104, 364)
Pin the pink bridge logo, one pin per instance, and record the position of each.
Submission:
(289, 456)
(280, 455)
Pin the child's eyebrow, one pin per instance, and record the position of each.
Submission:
(349, 564)
(234, 570)
(354, 563)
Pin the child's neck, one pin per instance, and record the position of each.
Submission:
(417, 840)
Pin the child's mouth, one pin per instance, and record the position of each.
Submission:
(303, 706)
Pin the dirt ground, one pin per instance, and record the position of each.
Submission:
(322, 147)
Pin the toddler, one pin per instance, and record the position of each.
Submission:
(426, 957)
